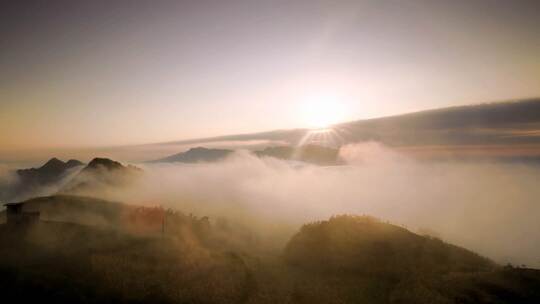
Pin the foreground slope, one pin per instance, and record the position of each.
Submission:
(71, 263)
(365, 245)
(346, 259)
(358, 259)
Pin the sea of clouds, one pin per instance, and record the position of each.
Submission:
(491, 208)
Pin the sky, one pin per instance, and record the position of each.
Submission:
(111, 73)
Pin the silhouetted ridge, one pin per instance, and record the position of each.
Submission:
(104, 163)
(99, 174)
(309, 153)
(53, 163)
(197, 154)
(37, 181)
(50, 172)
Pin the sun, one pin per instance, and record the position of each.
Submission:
(322, 110)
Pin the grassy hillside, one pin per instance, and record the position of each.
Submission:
(365, 245)
(70, 263)
(346, 259)
(359, 259)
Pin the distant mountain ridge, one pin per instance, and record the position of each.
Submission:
(195, 155)
(50, 172)
(101, 173)
(38, 181)
(103, 162)
(308, 153)
(56, 176)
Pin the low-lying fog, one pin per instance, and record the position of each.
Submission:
(490, 208)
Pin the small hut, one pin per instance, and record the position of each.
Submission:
(15, 214)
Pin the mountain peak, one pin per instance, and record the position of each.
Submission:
(101, 172)
(49, 173)
(104, 162)
(53, 162)
(57, 165)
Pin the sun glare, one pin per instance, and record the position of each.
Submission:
(321, 111)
